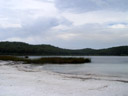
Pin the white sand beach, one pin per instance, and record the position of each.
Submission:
(23, 80)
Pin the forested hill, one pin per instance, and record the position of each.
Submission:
(20, 48)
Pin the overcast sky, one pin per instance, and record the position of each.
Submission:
(65, 23)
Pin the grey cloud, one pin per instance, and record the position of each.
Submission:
(92, 5)
(93, 36)
(79, 5)
(64, 21)
(43, 25)
(8, 32)
(33, 27)
(29, 28)
(89, 36)
(40, 25)
(43, 29)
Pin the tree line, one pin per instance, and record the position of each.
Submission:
(21, 48)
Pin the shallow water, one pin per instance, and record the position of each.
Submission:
(100, 65)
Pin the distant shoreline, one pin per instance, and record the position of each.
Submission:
(22, 49)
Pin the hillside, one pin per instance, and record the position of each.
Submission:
(20, 48)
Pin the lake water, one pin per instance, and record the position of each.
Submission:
(101, 65)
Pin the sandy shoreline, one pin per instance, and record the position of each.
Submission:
(23, 80)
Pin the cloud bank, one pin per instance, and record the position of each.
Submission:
(65, 23)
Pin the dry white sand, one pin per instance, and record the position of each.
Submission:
(23, 80)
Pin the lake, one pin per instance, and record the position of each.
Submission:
(101, 65)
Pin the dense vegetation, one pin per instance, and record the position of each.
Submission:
(47, 60)
(20, 48)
